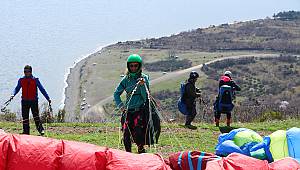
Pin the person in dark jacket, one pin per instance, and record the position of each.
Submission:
(30, 85)
(225, 80)
(191, 92)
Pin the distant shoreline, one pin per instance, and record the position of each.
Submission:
(69, 71)
(89, 77)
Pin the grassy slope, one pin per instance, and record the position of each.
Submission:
(173, 138)
(100, 80)
(116, 59)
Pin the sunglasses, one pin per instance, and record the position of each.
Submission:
(133, 65)
(27, 71)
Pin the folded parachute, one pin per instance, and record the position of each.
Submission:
(34, 152)
(239, 141)
(278, 145)
(25, 152)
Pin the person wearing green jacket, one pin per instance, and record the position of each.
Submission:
(134, 117)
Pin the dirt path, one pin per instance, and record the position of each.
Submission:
(97, 110)
(175, 74)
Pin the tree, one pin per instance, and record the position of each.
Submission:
(61, 115)
(171, 53)
(46, 114)
(8, 116)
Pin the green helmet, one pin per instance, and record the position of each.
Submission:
(134, 58)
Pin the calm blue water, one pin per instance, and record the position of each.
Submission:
(52, 35)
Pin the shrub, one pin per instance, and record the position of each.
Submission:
(271, 115)
(8, 116)
(168, 65)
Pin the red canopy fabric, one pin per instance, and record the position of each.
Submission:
(32, 152)
(118, 159)
(236, 161)
(4, 143)
(285, 164)
(39, 153)
(77, 155)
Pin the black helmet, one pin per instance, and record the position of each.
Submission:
(194, 75)
(28, 67)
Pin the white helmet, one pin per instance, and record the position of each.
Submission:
(228, 73)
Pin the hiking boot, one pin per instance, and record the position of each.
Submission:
(228, 122)
(217, 121)
(24, 133)
(141, 149)
(42, 133)
(191, 127)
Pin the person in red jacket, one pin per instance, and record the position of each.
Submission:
(30, 85)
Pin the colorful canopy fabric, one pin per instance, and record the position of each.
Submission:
(238, 141)
(34, 152)
(293, 140)
(192, 160)
(280, 144)
(236, 161)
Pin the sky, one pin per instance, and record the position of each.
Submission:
(51, 35)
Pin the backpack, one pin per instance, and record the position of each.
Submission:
(225, 99)
(181, 105)
(225, 79)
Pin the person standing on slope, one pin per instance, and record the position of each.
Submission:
(30, 85)
(190, 94)
(134, 117)
(224, 104)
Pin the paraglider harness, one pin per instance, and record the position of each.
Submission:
(181, 105)
(224, 100)
(143, 123)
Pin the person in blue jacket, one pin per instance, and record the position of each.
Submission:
(30, 86)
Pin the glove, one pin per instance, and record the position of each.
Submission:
(49, 101)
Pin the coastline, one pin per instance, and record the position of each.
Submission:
(69, 69)
(92, 79)
(72, 76)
